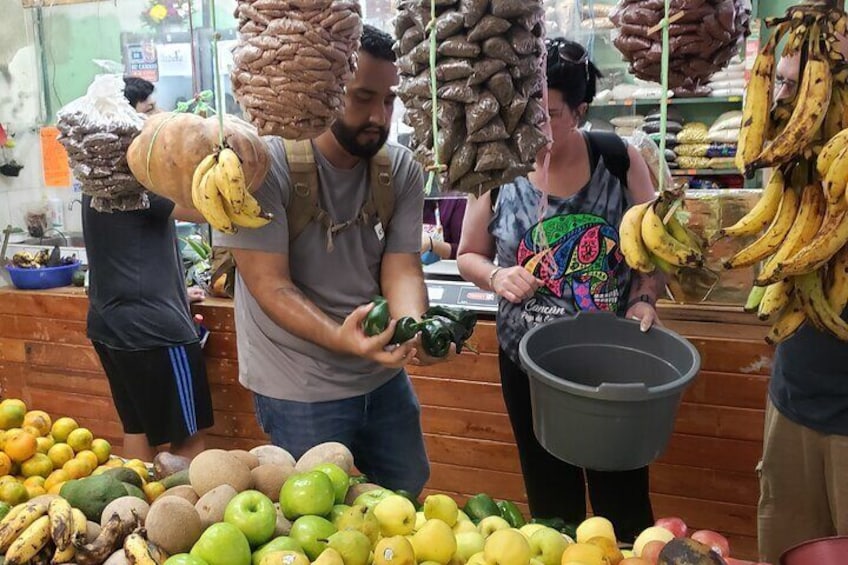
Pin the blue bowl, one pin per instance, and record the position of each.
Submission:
(47, 277)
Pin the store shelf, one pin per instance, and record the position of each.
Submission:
(672, 101)
(704, 172)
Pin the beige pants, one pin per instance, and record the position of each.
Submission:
(803, 486)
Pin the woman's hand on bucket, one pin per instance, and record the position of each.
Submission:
(645, 314)
(515, 284)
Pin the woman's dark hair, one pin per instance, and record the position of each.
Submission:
(137, 90)
(571, 72)
(377, 43)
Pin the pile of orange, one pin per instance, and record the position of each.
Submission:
(37, 455)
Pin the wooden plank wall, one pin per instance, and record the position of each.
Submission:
(706, 476)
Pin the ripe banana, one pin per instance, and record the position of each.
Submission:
(807, 116)
(775, 298)
(140, 551)
(245, 218)
(79, 525)
(836, 119)
(773, 236)
(836, 178)
(17, 520)
(111, 538)
(663, 245)
(832, 236)
(61, 523)
(789, 322)
(830, 151)
(683, 234)
(837, 289)
(229, 176)
(30, 542)
(757, 111)
(763, 212)
(632, 246)
(209, 202)
(811, 210)
(207, 164)
(816, 306)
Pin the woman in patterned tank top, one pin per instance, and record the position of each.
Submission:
(555, 238)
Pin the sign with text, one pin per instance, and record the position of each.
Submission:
(142, 61)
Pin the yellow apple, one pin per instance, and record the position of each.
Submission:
(651, 534)
(547, 545)
(491, 524)
(396, 515)
(593, 527)
(529, 529)
(395, 550)
(507, 547)
(467, 544)
(434, 542)
(463, 526)
(441, 507)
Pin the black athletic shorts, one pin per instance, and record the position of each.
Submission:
(162, 393)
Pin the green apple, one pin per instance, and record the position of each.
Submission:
(282, 543)
(311, 532)
(284, 558)
(467, 544)
(396, 516)
(306, 494)
(491, 524)
(329, 557)
(184, 559)
(547, 545)
(529, 529)
(337, 511)
(394, 550)
(507, 547)
(372, 497)
(441, 507)
(254, 514)
(434, 542)
(463, 526)
(353, 546)
(361, 519)
(337, 476)
(222, 544)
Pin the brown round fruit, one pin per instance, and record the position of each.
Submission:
(173, 524)
(269, 478)
(216, 467)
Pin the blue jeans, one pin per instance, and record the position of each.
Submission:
(382, 429)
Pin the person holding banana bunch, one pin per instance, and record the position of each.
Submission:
(555, 235)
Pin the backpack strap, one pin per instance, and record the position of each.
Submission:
(382, 189)
(303, 205)
(614, 151)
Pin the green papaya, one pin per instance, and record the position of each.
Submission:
(481, 506)
(511, 513)
(92, 494)
(175, 480)
(125, 475)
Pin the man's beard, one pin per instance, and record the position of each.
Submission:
(346, 136)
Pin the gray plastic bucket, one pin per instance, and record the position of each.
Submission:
(604, 394)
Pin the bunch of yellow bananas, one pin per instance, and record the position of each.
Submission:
(648, 242)
(219, 192)
(33, 532)
(141, 551)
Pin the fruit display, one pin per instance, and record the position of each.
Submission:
(184, 158)
(799, 226)
(41, 259)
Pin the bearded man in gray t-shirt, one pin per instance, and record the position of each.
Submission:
(314, 374)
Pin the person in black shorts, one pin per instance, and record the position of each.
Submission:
(141, 327)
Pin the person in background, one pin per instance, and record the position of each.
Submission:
(140, 324)
(555, 238)
(804, 468)
(300, 305)
(442, 226)
(139, 92)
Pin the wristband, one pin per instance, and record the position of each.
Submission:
(641, 298)
(431, 245)
(492, 277)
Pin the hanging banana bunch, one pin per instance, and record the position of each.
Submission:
(800, 223)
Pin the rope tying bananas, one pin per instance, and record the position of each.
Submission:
(801, 220)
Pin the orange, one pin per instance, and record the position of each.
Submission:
(39, 420)
(77, 468)
(14, 402)
(13, 492)
(55, 488)
(80, 439)
(60, 454)
(153, 490)
(56, 477)
(140, 469)
(37, 465)
(34, 481)
(5, 464)
(11, 416)
(115, 462)
(33, 491)
(89, 457)
(45, 443)
(62, 428)
(20, 446)
(102, 449)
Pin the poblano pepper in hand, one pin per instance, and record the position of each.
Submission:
(466, 318)
(378, 318)
(436, 337)
(405, 329)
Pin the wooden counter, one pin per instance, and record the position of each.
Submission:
(707, 475)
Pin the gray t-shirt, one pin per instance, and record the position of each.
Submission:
(272, 361)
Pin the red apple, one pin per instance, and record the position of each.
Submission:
(651, 551)
(674, 525)
(714, 541)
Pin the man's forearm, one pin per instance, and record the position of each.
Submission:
(402, 284)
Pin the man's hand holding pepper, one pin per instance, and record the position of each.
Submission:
(353, 340)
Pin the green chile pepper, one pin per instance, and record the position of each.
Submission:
(405, 329)
(511, 513)
(436, 337)
(466, 318)
(457, 329)
(378, 318)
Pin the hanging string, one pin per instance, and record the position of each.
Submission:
(216, 75)
(195, 79)
(664, 96)
(434, 98)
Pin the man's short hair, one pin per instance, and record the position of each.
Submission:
(137, 90)
(378, 43)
